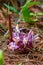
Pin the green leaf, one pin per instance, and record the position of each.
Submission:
(35, 20)
(26, 15)
(20, 64)
(11, 8)
(32, 14)
(33, 3)
(26, 4)
(1, 57)
(1, 54)
(29, 4)
(40, 13)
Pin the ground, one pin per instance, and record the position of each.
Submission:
(33, 57)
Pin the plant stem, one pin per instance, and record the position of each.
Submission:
(10, 29)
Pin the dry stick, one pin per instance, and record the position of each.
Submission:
(10, 29)
(5, 35)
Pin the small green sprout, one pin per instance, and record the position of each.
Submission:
(1, 57)
(20, 64)
(27, 15)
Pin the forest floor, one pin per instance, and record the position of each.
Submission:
(34, 56)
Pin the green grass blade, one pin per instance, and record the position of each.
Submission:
(29, 4)
(26, 4)
(33, 3)
(1, 57)
(11, 8)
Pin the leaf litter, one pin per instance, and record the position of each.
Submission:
(33, 57)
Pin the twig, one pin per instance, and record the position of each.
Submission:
(10, 29)
(5, 35)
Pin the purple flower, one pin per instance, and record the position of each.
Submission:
(21, 40)
(13, 46)
(13, 34)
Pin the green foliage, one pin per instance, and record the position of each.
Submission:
(1, 57)
(26, 4)
(40, 14)
(27, 15)
(20, 64)
(37, 14)
(11, 8)
(29, 4)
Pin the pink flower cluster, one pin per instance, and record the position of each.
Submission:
(21, 40)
